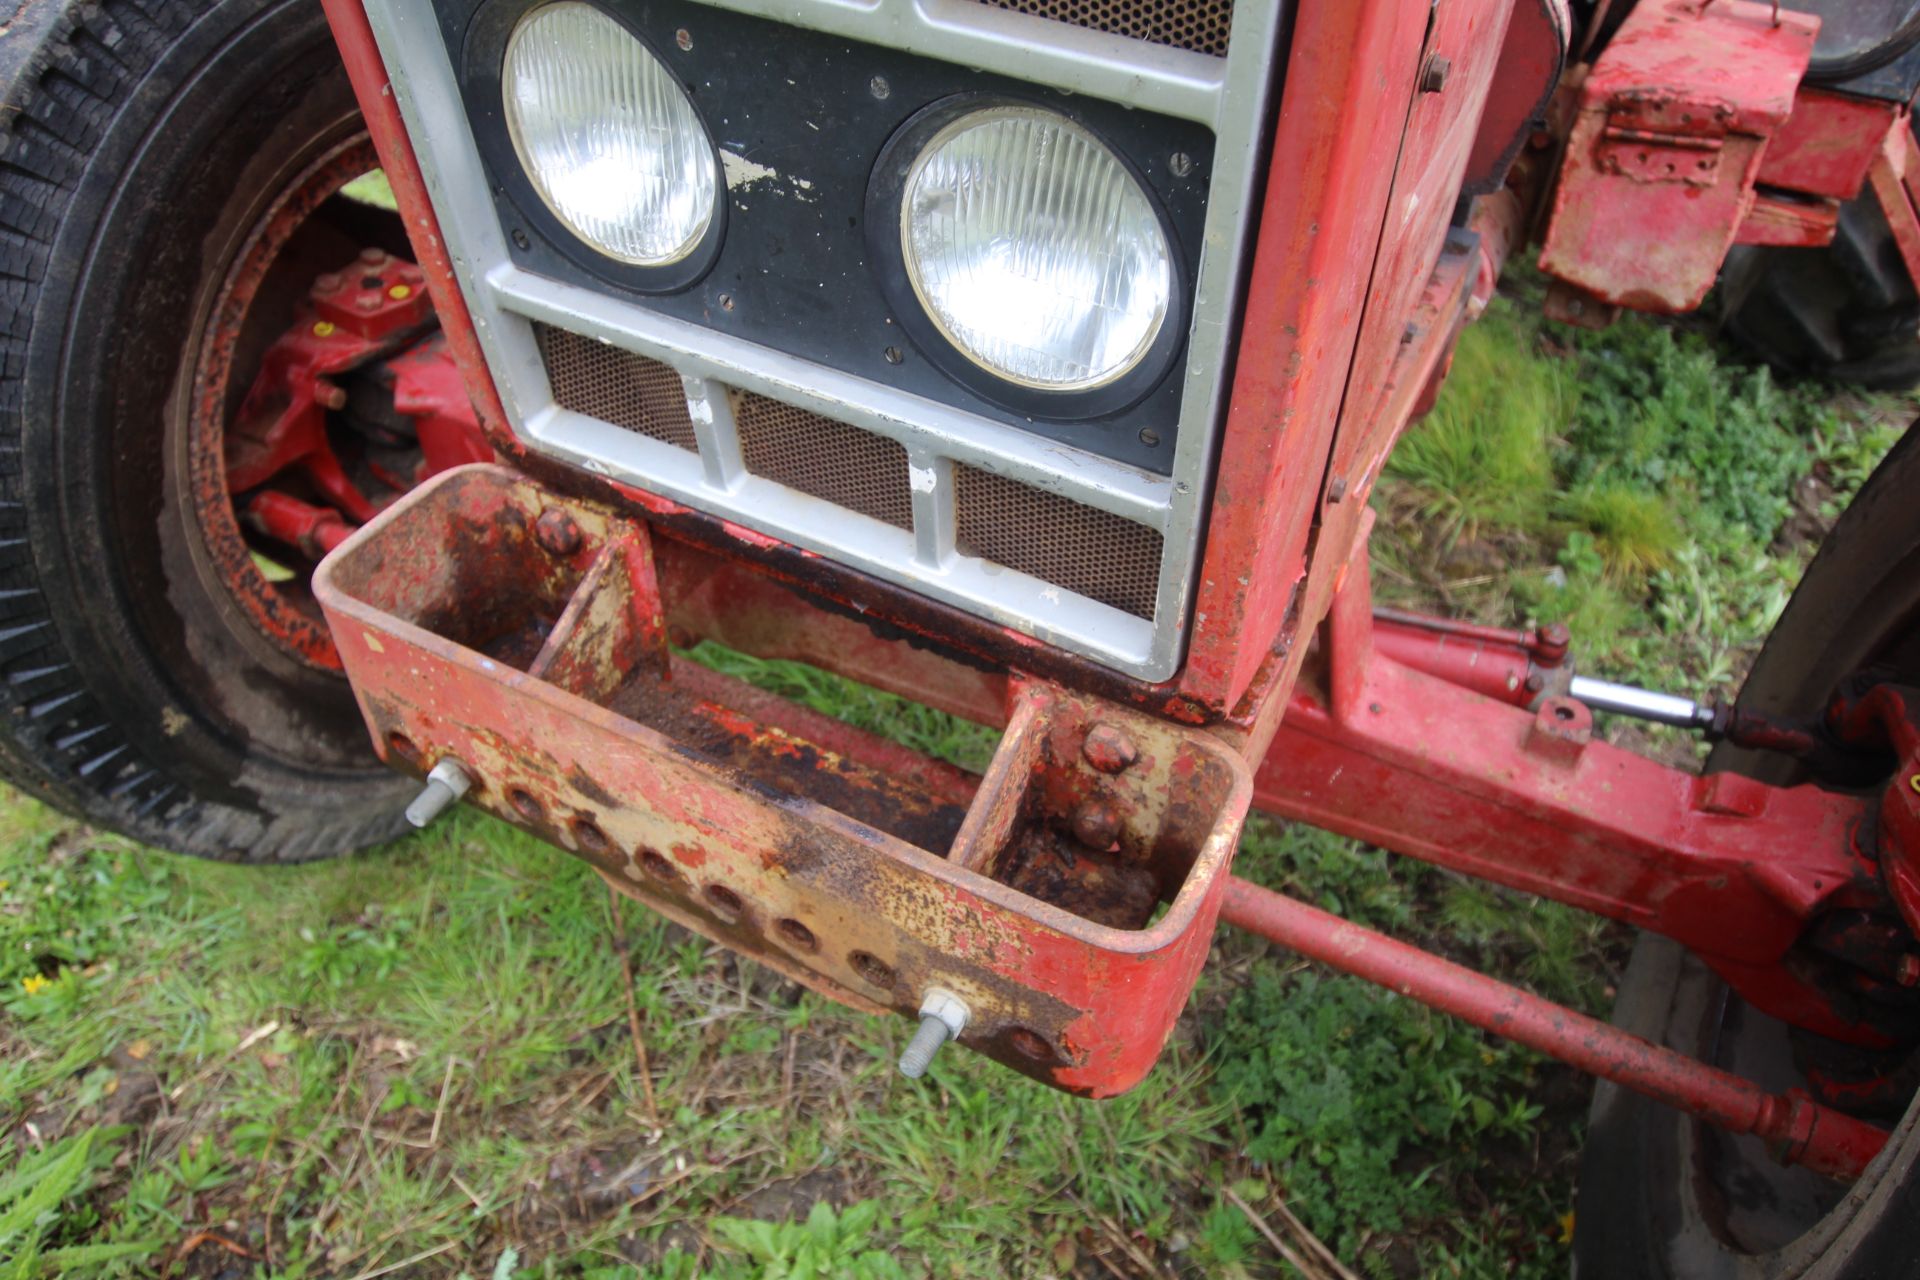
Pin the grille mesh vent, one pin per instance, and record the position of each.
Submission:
(1197, 25)
(843, 465)
(1081, 549)
(604, 382)
(1089, 552)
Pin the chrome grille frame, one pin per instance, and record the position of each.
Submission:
(1229, 95)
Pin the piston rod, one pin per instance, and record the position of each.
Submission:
(1796, 1128)
(1642, 704)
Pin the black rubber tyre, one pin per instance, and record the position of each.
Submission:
(140, 139)
(1662, 1197)
(1846, 312)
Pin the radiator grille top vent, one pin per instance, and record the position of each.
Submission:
(1089, 552)
(604, 382)
(844, 465)
(1200, 26)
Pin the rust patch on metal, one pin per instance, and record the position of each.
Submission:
(1058, 869)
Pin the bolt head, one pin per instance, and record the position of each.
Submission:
(1433, 77)
(556, 532)
(373, 257)
(1097, 824)
(328, 283)
(1109, 749)
(1909, 971)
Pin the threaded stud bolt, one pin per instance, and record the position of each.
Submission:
(445, 785)
(943, 1016)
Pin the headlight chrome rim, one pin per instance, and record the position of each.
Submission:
(888, 258)
(539, 235)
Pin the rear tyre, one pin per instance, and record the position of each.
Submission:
(1846, 312)
(143, 139)
(1662, 1196)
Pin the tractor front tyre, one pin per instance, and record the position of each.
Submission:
(170, 174)
(1665, 1197)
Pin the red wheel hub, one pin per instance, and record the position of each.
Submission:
(276, 465)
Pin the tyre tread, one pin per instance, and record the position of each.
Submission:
(57, 742)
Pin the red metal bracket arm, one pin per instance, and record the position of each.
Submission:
(1410, 762)
(1894, 177)
(368, 72)
(1798, 1129)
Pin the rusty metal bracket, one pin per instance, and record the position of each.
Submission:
(1068, 897)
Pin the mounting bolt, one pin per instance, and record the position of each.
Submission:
(373, 257)
(557, 532)
(1908, 974)
(943, 1016)
(328, 283)
(1433, 76)
(1109, 749)
(330, 396)
(1097, 825)
(445, 785)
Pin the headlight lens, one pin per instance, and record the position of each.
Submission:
(1034, 250)
(607, 136)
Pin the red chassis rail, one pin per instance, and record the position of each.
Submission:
(1366, 745)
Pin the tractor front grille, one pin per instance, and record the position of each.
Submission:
(1078, 530)
(1089, 552)
(1200, 26)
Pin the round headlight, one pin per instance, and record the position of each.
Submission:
(1034, 250)
(607, 136)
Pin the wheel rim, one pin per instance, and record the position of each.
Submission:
(283, 612)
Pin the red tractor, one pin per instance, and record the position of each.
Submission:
(1033, 361)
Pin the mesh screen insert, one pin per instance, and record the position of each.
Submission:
(1089, 552)
(616, 386)
(844, 465)
(1197, 25)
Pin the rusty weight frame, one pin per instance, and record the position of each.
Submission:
(1358, 291)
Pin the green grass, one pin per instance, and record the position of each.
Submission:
(417, 1060)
